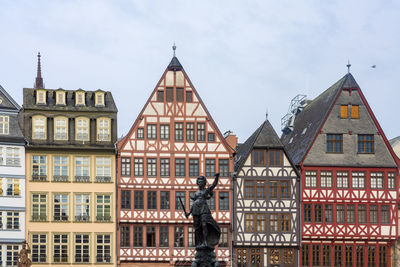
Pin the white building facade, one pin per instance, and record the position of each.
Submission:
(12, 181)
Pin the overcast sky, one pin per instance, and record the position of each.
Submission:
(243, 57)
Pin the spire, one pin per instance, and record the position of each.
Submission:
(39, 80)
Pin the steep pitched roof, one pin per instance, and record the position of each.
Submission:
(394, 141)
(264, 137)
(174, 64)
(7, 101)
(310, 120)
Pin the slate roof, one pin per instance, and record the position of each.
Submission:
(175, 64)
(11, 108)
(394, 141)
(264, 137)
(297, 142)
(8, 102)
(30, 101)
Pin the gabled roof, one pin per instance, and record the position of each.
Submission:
(264, 137)
(308, 123)
(394, 141)
(8, 102)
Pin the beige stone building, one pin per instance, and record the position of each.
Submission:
(70, 175)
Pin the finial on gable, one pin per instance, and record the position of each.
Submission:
(348, 66)
(174, 48)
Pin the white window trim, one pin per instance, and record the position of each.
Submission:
(34, 125)
(60, 118)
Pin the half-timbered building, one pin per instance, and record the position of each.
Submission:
(266, 219)
(173, 141)
(349, 179)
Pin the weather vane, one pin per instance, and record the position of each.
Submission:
(348, 66)
(174, 48)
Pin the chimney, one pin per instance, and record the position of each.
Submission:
(231, 139)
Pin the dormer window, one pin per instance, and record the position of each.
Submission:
(60, 97)
(39, 127)
(41, 97)
(80, 98)
(99, 99)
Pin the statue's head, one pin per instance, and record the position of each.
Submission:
(201, 181)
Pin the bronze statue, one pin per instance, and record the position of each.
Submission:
(23, 259)
(207, 231)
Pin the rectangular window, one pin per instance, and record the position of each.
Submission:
(160, 96)
(39, 168)
(358, 179)
(60, 128)
(391, 180)
(126, 199)
(288, 256)
(151, 167)
(82, 169)
(210, 167)
(365, 143)
(285, 189)
(285, 222)
(125, 236)
(140, 133)
(385, 214)
(371, 256)
(193, 167)
(273, 223)
(307, 213)
(249, 225)
(275, 158)
(164, 233)
(12, 156)
(164, 131)
(164, 200)
(373, 214)
(151, 131)
(178, 131)
(82, 248)
(152, 200)
(179, 237)
(342, 179)
(12, 220)
(377, 180)
(138, 167)
(359, 256)
(338, 256)
(260, 223)
(201, 132)
(169, 94)
(326, 179)
(180, 167)
(316, 253)
(344, 111)
(12, 255)
(82, 208)
(223, 167)
(126, 166)
(223, 200)
(103, 169)
(318, 213)
(139, 196)
(382, 256)
(61, 207)
(39, 248)
(334, 143)
(340, 214)
(151, 236)
(362, 214)
(60, 169)
(311, 179)
(103, 208)
(4, 124)
(12, 187)
(348, 256)
(137, 236)
(328, 213)
(211, 137)
(260, 189)
(189, 96)
(103, 248)
(191, 237)
(39, 127)
(39, 207)
(351, 214)
(189, 131)
(180, 94)
(164, 168)
(248, 189)
(259, 157)
(182, 196)
(326, 255)
(60, 248)
(305, 255)
(211, 202)
(223, 242)
(355, 114)
(82, 129)
(103, 129)
(273, 189)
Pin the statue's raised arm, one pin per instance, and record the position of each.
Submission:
(214, 184)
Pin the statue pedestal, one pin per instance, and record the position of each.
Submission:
(205, 257)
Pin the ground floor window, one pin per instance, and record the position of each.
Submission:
(276, 257)
(12, 255)
(39, 247)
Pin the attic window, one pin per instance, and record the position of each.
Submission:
(41, 97)
(80, 98)
(99, 99)
(160, 96)
(60, 98)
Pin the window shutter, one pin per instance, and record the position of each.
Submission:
(344, 111)
(354, 112)
(16, 189)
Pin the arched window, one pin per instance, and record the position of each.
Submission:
(60, 128)
(82, 129)
(39, 124)
(103, 129)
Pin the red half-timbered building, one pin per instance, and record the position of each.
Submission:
(173, 141)
(349, 179)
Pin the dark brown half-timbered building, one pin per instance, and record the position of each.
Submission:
(349, 179)
(173, 141)
(266, 220)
